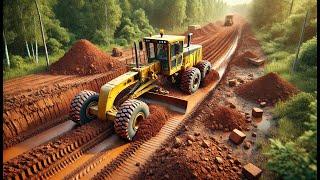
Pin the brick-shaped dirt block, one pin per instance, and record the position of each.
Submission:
(232, 82)
(257, 112)
(251, 171)
(237, 136)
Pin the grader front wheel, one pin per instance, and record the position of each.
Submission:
(79, 108)
(128, 118)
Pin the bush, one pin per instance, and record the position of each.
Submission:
(101, 38)
(296, 108)
(16, 61)
(54, 46)
(308, 53)
(121, 42)
(290, 161)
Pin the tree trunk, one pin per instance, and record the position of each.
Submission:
(6, 49)
(32, 50)
(28, 50)
(300, 42)
(37, 60)
(42, 32)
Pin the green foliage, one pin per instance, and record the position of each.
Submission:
(266, 12)
(308, 53)
(296, 160)
(290, 161)
(296, 108)
(121, 42)
(101, 37)
(54, 46)
(16, 61)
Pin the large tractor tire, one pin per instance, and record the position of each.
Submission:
(128, 118)
(79, 109)
(204, 67)
(190, 80)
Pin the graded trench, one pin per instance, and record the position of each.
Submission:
(200, 92)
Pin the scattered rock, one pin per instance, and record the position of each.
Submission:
(177, 142)
(247, 145)
(166, 176)
(248, 120)
(232, 82)
(251, 171)
(189, 142)
(191, 138)
(219, 160)
(263, 104)
(254, 134)
(137, 164)
(257, 112)
(237, 136)
(255, 125)
(205, 144)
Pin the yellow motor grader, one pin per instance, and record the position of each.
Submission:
(121, 99)
(228, 20)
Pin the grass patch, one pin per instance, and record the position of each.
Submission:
(27, 68)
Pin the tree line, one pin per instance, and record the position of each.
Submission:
(103, 22)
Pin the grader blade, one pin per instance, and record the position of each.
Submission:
(173, 103)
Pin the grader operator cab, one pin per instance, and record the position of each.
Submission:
(122, 100)
(228, 20)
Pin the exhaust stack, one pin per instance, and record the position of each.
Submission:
(189, 39)
(136, 53)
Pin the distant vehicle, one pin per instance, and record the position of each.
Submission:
(229, 20)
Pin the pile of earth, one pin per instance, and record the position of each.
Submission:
(197, 157)
(211, 77)
(240, 59)
(225, 118)
(150, 126)
(84, 58)
(269, 88)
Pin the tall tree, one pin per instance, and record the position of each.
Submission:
(6, 49)
(42, 32)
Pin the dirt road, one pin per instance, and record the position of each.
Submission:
(83, 148)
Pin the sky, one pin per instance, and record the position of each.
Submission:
(233, 2)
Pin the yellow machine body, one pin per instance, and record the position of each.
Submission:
(176, 56)
(228, 20)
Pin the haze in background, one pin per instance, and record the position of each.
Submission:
(235, 2)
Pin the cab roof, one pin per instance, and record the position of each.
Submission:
(169, 38)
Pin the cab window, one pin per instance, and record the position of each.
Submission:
(151, 51)
(162, 51)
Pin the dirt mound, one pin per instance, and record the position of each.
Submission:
(269, 88)
(210, 78)
(224, 118)
(240, 60)
(192, 161)
(150, 126)
(84, 58)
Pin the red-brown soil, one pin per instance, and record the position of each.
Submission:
(225, 118)
(210, 78)
(84, 58)
(193, 160)
(269, 88)
(150, 126)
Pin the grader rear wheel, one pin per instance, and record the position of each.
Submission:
(128, 118)
(204, 67)
(190, 80)
(79, 108)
